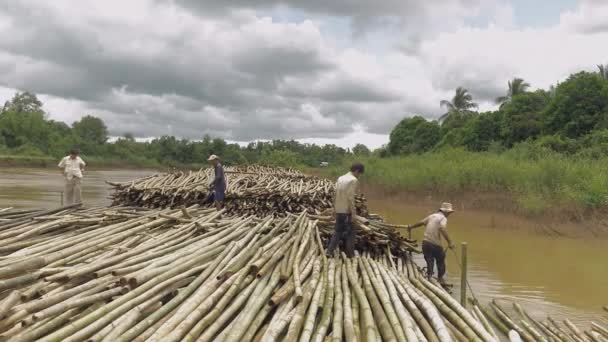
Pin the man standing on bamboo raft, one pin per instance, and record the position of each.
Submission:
(436, 226)
(72, 167)
(344, 206)
(218, 185)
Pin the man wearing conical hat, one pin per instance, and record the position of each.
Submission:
(436, 226)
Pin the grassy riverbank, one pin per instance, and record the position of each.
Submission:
(534, 181)
(95, 163)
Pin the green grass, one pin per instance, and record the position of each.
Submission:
(535, 182)
(94, 163)
(26, 161)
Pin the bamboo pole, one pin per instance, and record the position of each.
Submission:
(9, 302)
(296, 324)
(332, 280)
(369, 331)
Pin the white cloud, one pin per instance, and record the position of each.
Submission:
(590, 17)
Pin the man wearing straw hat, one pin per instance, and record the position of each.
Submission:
(436, 226)
(219, 182)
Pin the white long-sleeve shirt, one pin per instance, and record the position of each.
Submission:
(72, 167)
(346, 189)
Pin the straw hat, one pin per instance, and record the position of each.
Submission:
(213, 157)
(446, 207)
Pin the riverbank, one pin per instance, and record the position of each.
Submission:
(94, 163)
(551, 189)
(535, 184)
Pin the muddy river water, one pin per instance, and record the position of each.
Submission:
(508, 258)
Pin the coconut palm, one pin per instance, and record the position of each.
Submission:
(462, 102)
(603, 71)
(516, 86)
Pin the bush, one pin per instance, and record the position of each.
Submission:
(28, 150)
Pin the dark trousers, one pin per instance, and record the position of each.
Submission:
(343, 232)
(432, 253)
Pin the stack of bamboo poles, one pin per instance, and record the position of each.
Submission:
(193, 274)
(261, 169)
(371, 234)
(253, 190)
(10, 216)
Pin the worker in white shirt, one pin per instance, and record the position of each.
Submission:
(72, 167)
(344, 206)
(436, 227)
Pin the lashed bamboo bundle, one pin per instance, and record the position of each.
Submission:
(252, 190)
(371, 234)
(194, 274)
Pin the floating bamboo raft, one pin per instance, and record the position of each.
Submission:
(253, 190)
(193, 274)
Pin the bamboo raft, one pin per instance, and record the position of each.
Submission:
(160, 265)
(253, 190)
(194, 274)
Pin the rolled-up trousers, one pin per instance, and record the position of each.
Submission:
(343, 232)
(433, 253)
(73, 192)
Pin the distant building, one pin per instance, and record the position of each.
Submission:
(324, 164)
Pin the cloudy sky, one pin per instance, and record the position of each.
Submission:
(339, 71)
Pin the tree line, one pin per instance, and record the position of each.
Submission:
(26, 130)
(570, 117)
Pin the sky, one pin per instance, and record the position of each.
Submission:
(341, 71)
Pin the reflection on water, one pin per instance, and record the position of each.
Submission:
(41, 188)
(509, 260)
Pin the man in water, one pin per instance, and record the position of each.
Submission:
(436, 226)
(344, 206)
(72, 168)
(219, 182)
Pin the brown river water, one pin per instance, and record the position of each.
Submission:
(508, 258)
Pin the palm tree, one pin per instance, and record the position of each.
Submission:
(603, 71)
(516, 86)
(462, 102)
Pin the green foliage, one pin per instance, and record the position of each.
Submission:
(23, 103)
(361, 150)
(282, 158)
(482, 131)
(558, 143)
(559, 119)
(28, 150)
(462, 102)
(521, 117)
(24, 131)
(535, 177)
(516, 87)
(90, 134)
(19, 128)
(579, 105)
(603, 71)
(414, 135)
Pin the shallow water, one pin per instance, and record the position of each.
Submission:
(41, 188)
(508, 259)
